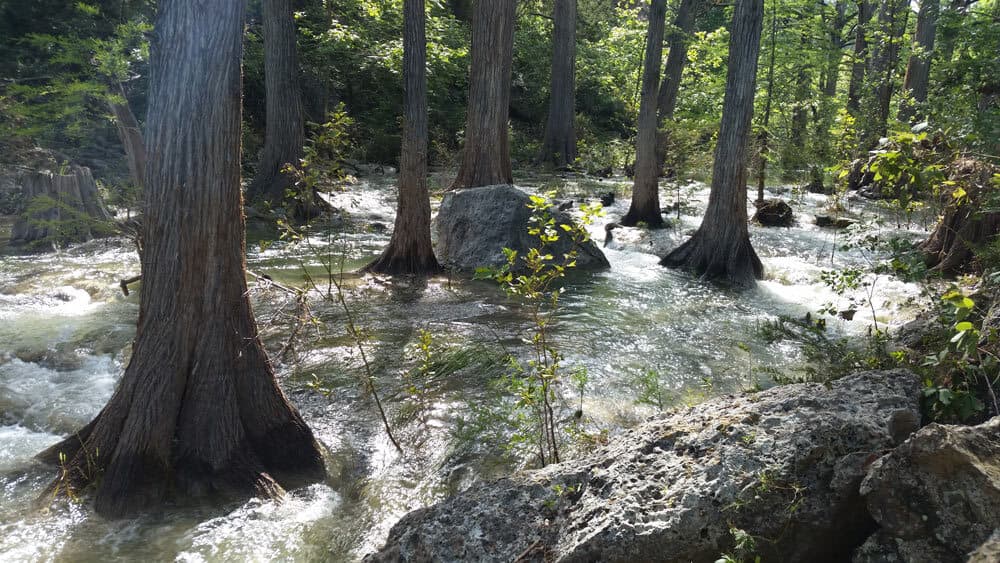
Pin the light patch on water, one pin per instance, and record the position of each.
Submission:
(264, 530)
(41, 535)
(60, 402)
(20, 443)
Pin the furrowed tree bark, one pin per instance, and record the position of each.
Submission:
(486, 154)
(410, 250)
(918, 68)
(720, 249)
(559, 142)
(284, 130)
(645, 205)
(198, 412)
(130, 134)
(860, 64)
(666, 99)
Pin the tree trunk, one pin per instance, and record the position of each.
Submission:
(794, 157)
(198, 411)
(720, 249)
(666, 100)
(834, 54)
(645, 206)
(823, 119)
(885, 54)
(860, 65)
(918, 68)
(486, 154)
(410, 250)
(765, 133)
(130, 134)
(61, 208)
(284, 133)
(559, 143)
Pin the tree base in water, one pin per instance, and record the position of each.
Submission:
(731, 261)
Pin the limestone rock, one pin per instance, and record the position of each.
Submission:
(783, 464)
(989, 552)
(474, 226)
(938, 494)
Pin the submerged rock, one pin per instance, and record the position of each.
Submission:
(784, 465)
(474, 226)
(774, 213)
(937, 496)
(835, 222)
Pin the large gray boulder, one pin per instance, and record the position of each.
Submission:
(783, 465)
(936, 498)
(474, 225)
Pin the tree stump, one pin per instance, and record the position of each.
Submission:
(965, 225)
(61, 208)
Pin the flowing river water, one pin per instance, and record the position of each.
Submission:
(65, 331)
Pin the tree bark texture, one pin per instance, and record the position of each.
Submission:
(284, 130)
(198, 412)
(918, 68)
(410, 250)
(860, 64)
(130, 134)
(720, 249)
(645, 205)
(486, 154)
(559, 142)
(666, 99)
(61, 207)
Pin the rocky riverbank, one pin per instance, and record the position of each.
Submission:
(806, 472)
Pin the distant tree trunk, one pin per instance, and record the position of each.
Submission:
(794, 156)
(885, 54)
(61, 208)
(645, 206)
(284, 132)
(410, 250)
(860, 64)
(559, 143)
(834, 53)
(765, 133)
(198, 412)
(720, 249)
(486, 154)
(918, 69)
(666, 99)
(130, 134)
(823, 118)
